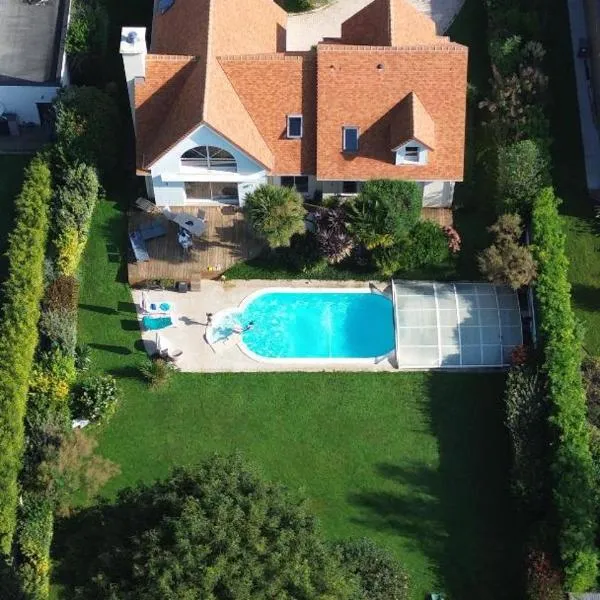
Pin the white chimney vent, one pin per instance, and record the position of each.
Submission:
(133, 50)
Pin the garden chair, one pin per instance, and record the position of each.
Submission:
(146, 206)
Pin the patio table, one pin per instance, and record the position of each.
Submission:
(194, 225)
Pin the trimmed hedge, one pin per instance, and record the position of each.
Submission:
(572, 467)
(34, 538)
(22, 293)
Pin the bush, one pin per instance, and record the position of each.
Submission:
(334, 240)
(384, 212)
(96, 398)
(526, 420)
(571, 468)
(59, 328)
(88, 28)
(379, 575)
(276, 214)
(74, 202)
(426, 246)
(453, 237)
(22, 294)
(87, 126)
(75, 469)
(591, 382)
(75, 198)
(34, 537)
(62, 293)
(543, 580)
(83, 357)
(506, 262)
(157, 372)
(522, 171)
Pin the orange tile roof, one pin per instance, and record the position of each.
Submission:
(352, 90)
(235, 78)
(411, 121)
(287, 86)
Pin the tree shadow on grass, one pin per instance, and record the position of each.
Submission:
(459, 513)
(103, 310)
(586, 297)
(122, 350)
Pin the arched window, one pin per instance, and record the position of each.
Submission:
(209, 157)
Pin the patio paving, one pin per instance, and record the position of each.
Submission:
(307, 29)
(189, 331)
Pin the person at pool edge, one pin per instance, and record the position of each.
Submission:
(238, 329)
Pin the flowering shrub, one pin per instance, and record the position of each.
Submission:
(543, 581)
(453, 237)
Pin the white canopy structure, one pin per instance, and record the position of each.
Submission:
(455, 325)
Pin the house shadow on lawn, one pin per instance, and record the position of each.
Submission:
(458, 513)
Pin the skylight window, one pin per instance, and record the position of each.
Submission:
(294, 126)
(350, 139)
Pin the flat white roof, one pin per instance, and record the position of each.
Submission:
(455, 325)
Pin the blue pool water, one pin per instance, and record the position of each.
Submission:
(317, 325)
(155, 323)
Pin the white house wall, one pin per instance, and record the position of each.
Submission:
(22, 99)
(168, 176)
(438, 194)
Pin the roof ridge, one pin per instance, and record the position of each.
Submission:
(170, 57)
(449, 47)
(209, 57)
(390, 23)
(281, 56)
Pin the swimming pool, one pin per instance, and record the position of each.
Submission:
(321, 324)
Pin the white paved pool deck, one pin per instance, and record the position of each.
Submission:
(188, 334)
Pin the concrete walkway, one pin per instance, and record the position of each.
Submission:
(189, 331)
(307, 29)
(589, 130)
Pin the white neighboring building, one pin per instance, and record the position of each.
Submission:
(33, 65)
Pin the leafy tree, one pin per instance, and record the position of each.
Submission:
(214, 531)
(506, 261)
(384, 212)
(379, 575)
(522, 171)
(276, 214)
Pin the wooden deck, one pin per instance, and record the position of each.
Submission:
(441, 216)
(227, 240)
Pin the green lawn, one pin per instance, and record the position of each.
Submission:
(583, 241)
(11, 178)
(416, 461)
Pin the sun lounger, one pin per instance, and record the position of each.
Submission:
(153, 230)
(138, 245)
(146, 206)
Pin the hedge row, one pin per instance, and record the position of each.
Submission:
(20, 312)
(75, 194)
(572, 466)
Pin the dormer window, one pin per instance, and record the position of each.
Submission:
(411, 153)
(294, 127)
(350, 139)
